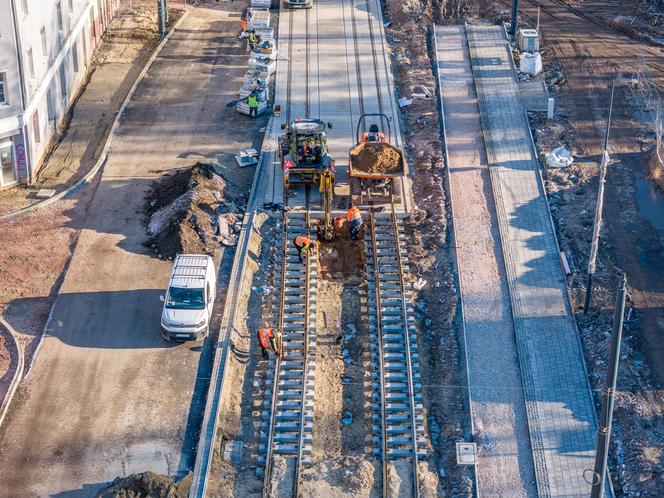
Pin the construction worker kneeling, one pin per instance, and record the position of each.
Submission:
(269, 337)
(354, 219)
(304, 247)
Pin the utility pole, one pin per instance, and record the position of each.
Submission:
(515, 15)
(161, 11)
(604, 429)
(594, 246)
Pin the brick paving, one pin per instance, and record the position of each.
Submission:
(560, 409)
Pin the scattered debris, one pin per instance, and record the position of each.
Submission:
(405, 101)
(559, 157)
(419, 284)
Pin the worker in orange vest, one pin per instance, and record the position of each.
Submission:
(354, 218)
(268, 337)
(303, 246)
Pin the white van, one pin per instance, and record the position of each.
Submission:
(189, 299)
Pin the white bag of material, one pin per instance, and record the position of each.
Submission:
(530, 63)
(559, 157)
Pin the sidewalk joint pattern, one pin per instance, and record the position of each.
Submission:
(561, 414)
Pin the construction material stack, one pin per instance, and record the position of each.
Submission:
(261, 65)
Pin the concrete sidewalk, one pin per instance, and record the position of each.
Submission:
(561, 413)
(126, 47)
(505, 466)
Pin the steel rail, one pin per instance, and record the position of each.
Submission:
(379, 326)
(277, 365)
(298, 463)
(409, 369)
(289, 78)
(358, 66)
(307, 54)
(379, 94)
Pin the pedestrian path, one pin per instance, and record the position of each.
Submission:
(561, 416)
(505, 464)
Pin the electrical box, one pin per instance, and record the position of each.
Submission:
(528, 40)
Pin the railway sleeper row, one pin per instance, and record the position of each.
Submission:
(291, 379)
(393, 266)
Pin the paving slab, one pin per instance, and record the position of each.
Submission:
(561, 415)
(505, 465)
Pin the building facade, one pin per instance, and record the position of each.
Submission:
(45, 50)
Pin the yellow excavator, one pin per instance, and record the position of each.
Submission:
(305, 159)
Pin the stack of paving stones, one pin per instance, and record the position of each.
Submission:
(261, 65)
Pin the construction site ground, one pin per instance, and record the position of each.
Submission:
(126, 46)
(584, 45)
(105, 395)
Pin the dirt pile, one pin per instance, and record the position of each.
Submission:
(147, 485)
(193, 210)
(374, 159)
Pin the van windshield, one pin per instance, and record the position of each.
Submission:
(185, 299)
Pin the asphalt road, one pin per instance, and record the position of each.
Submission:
(106, 396)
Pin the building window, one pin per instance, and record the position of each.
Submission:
(58, 14)
(24, 7)
(35, 127)
(42, 32)
(31, 64)
(63, 82)
(3, 89)
(50, 103)
(70, 4)
(74, 56)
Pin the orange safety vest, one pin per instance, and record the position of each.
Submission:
(301, 241)
(354, 214)
(264, 336)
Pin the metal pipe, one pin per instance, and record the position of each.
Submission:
(604, 429)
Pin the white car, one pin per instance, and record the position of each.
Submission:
(189, 299)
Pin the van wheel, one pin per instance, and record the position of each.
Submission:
(164, 335)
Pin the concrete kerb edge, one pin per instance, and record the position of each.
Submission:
(448, 178)
(104, 153)
(18, 373)
(205, 449)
